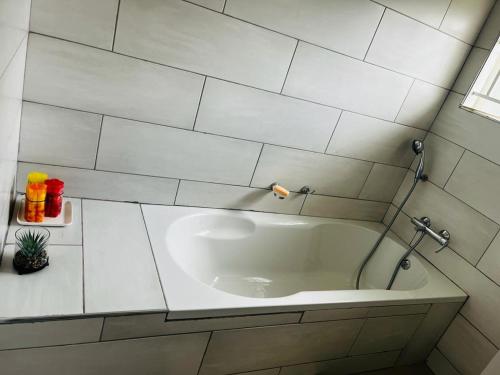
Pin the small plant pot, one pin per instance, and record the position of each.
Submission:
(31, 250)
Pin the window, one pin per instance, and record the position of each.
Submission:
(483, 97)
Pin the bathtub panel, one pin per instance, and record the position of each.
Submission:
(397, 310)
(427, 335)
(344, 366)
(385, 334)
(334, 314)
(155, 325)
(259, 348)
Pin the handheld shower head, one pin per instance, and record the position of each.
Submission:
(418, 148)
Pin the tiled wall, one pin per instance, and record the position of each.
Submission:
(14, 18)
(208, 102)
(463, 165)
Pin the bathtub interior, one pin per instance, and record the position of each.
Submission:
(269, 257)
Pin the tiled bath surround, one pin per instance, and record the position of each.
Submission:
(90, 323)
(14, 18)
(462, 196)
(208, 102)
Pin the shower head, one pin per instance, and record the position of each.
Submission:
(418, 148)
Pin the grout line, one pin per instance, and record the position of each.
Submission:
(484, 253)
(256, 165)
(358, 334)
(445, 357)
(177, 192)
(154, 258)
(333, 131)
(364, 182)
(98, 143)
(404, 101)
(224, 7)
(83, 255)
(375, 33)
(444, 16)
(102, 328)
(289, 67)
(199, 102)
(116, 25)
(303, 203)
(453, 170)
(205, 352)
(477, 329)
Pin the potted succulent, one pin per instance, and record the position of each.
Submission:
(31, 250)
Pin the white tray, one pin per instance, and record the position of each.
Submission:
(65, 218)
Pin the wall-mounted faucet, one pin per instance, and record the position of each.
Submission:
(424, 225)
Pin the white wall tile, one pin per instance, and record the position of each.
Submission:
(490, 262)
(217, 5)
(130, 326)
(475, 181)
(344, 366)
(421, 105)
(344, 208)
(243, 112)
(471, 232)
(202, 194)
(467, 129)
(440, 365)
(429, 332)
(56, 135)
(14, 22)
(106, 185)
(466, 348)
(470, 70)
(340, 81)
(260, 348)
(383, 183)
(89, 22)
(175, 153)
(385, 334)
(70, 235)
(430, 12)
(482, 307)
(441, 157)
(55, 290)
(120, 273)
(343, 26)
(80, 77)
(58, 332)
(330, 175)
(489, 33)
(409, 47)
(179, 354)
(464, 18)
(183, 35)
(368, 138)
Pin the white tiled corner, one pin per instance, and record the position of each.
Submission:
(441, 158)
(471, 232)
(438, 363)
(430, 12)
(70, 235)
(89, 22)
(407, 46)
(421, 105)
(464, 18)
(14, 25)
(202, 194)
(49, 333)
(382, 183)
(343, 26)
(367, 138)
(55, 290)
(330, 78)
(191, 155)
(470, 70)
(93, 184)
(181, 354)
(243, 112)
(186, 36)
(326, 174)
(120, 273)
(344, 208)
(489, 33)
(466, 347)
(249, 349)
(79, 77)
(54, 135)
(386, 334)
(490, 262)
(475, 181)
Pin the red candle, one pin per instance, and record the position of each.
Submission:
(54, 197)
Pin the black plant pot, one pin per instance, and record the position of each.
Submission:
(24, 264)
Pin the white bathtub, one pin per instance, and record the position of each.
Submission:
(223, 262)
